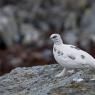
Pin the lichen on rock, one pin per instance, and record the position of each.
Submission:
(40, 80)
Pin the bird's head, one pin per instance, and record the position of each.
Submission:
(56, 38)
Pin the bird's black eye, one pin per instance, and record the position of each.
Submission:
(54, 36)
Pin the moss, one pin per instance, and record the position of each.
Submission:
(58, 93)
(78, 86)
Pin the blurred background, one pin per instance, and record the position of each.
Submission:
(25, 27)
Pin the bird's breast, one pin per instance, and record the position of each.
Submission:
(61, 58)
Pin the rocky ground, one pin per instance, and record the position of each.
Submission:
(40, 80)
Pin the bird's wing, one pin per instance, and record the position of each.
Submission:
(83, 56)
(79, 54)
(74, 47)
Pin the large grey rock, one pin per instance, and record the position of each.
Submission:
(88, 27)
(88, 21)
(40, 80)
(70, 22)
(71, 36)
(30, 34)
(8, 25)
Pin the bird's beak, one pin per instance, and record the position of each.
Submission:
(50, 38)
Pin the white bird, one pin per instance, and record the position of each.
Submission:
(70, 57)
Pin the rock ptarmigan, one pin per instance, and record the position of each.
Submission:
(70, 57)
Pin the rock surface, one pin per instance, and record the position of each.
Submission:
(40, 80)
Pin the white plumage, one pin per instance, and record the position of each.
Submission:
(70, 57)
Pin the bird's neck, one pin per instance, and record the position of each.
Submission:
(58, 42)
